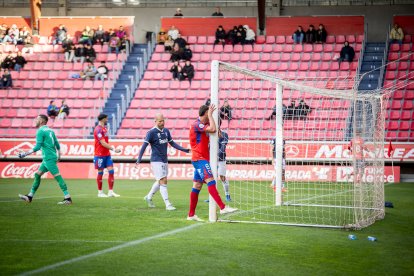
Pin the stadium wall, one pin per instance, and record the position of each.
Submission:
(378, 17)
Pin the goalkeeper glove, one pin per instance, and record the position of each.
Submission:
(22, 154)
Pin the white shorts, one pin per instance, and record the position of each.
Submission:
(222, 168)
(159, 169)
(283, 163)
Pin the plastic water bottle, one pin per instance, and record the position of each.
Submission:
(370, 238)
(352, 237)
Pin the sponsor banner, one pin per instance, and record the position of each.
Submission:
(73, 170)
(236, 150)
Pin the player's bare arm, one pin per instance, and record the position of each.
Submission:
(106, 145)
(212, 127)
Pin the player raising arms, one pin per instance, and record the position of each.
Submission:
(159, 138)
(102, 158)
(273, 185)
(223, 141)
(199, 141)
(46, 141)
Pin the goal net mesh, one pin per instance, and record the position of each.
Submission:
(333, 141)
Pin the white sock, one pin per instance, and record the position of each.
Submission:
(100, 192)
(155, 187)
(226, 186)
(274, 182)
(164, 194)
(110, 191)
(283, 184)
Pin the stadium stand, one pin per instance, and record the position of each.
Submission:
(276, 55)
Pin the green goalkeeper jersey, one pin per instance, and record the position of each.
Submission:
(46, 141)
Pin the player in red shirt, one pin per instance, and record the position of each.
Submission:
(102, 158)
(199, 141)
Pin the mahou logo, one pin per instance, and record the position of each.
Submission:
(14, 171)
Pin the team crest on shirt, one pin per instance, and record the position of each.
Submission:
(200, 125)
(99, 135)
(159, 135)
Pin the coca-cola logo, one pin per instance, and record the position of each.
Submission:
(14, 171)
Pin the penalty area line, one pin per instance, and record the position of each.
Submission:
(111, 249)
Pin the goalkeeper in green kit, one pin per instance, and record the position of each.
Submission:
(46, 141)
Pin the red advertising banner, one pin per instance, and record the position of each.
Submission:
(185, 172)
(236, 150)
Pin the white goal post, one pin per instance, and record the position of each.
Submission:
(346, 192)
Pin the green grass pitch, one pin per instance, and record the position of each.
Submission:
(34, 236)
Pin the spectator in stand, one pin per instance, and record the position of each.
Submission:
(176, 70)
(121, 33)
(225, 112)
(90, 54)
(187, 53)
(321, 34)
(217, 12)
(347, 53)
(303, 109)
(80, 53)
(102, 71)
(250, 35)
(3, 30)
(273, 114)
(6, 79)
(240, 36)
(63, 110)
(8, 62)
(69, 50)
(176, 53)
(60, 35)
(298, 35)
(89, 72)
(178, 12)
(310, 35)
(396, 35)
(13, 33)
(169, 44)
(208, 102)
(52, 110)
(19, 61)
(291, 110)
(220, 36)
(100, 36)
(161, 37)
(232, 34)
(173, 32)
(23, 35)
(180, 41)
(114, 44)
(87, 36)
(188, 71)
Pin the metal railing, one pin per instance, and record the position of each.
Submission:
(384, 60)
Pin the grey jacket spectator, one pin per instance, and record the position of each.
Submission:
(60, 35)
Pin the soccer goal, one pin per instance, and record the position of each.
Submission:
(318, 162)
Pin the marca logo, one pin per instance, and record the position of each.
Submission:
(20, 147)
(291, 150)
(13, 171)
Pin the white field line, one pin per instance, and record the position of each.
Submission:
(112, 249)
(39, 198)
(62, 241)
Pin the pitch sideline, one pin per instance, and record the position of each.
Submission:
(111, 249)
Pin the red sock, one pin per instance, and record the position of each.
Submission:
(193, 201)
(111, 181)
(212, 190)
(99, 181)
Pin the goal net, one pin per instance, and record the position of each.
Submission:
(302, 150)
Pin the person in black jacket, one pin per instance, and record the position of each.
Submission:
(176, 70)
(187, 54)
(226, 112)
(298, 35)
(90, 54)
(63, 110)
(310, 35)
(188, 71)
(8, 62)
(80, 53)
(220, 36)
(19, 62)
(6, 79)
(347, 53)
(180, 41)
(232, 35)
(321, 34)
